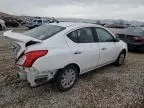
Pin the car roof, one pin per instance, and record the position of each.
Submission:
(73, 24)
(141, 28)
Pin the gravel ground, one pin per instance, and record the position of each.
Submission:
(107, 87)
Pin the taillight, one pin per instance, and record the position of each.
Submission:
(29, 58)
(138, 38)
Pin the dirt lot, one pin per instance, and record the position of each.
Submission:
(108, 87)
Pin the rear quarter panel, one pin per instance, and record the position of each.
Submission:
(59, 54)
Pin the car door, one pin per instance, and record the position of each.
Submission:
(85, 49)
(109, 48)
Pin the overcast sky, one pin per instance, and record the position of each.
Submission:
(88, 9)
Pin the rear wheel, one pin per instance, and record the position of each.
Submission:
(121, 59)
(66, 78)
(0, 27)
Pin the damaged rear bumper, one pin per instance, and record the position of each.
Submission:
(35, 77)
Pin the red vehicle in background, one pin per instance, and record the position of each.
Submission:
(134, 37)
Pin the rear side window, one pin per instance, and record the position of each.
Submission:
(44, 32)
(84, 35)
(73, 36)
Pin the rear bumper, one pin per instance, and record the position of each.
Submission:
(35, 77)
(22, 75)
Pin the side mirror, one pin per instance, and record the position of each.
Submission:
(117, 39)
(116, 35)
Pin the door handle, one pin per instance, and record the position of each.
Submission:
(77, 52)
(103, 48)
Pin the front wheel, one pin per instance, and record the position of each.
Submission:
(66, 78)
(121, 59)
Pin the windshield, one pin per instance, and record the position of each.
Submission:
(44, 32)
(34, 21)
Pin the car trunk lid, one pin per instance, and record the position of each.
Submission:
(20, 42)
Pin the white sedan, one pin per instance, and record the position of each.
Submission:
(63, 51)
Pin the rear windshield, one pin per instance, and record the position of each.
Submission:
(44, 32)
(135, 31)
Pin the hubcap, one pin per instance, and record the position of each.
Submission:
(121, 59)
(68, 78)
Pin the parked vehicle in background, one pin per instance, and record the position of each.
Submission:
(63, 51)
(36, 22)
(119, 26)
(134, 37)
(11, 22)
(2, 25)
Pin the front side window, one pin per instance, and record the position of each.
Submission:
(104, 36)
(44, 32)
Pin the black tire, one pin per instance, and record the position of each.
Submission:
(59, 78)
(30, 28)
(121, 59)
(0, 27)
